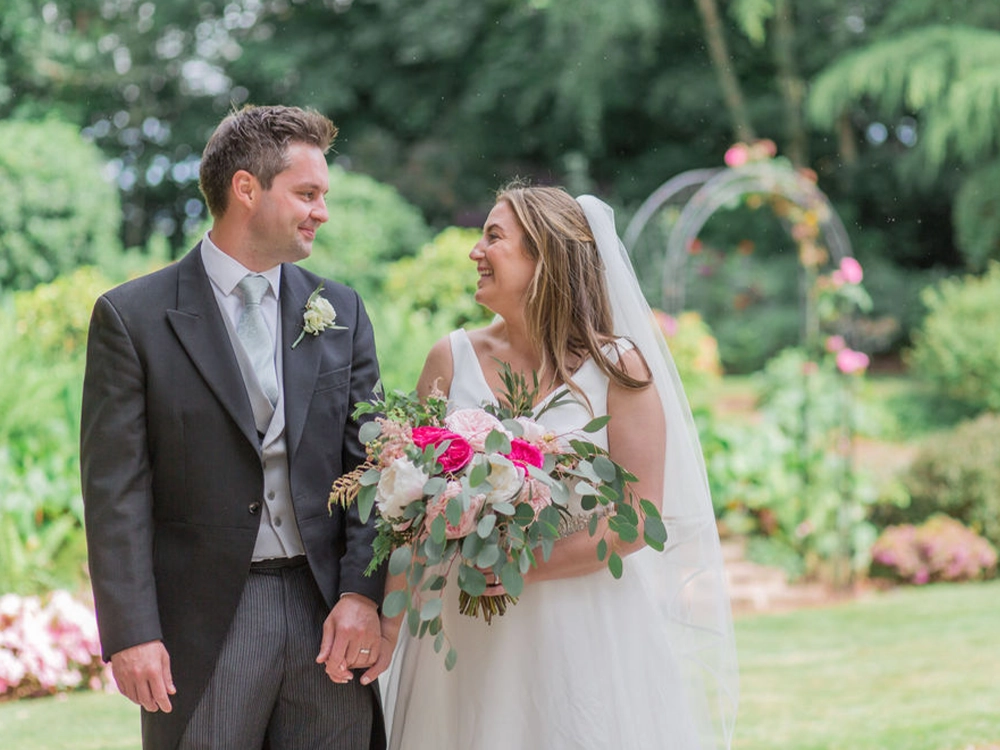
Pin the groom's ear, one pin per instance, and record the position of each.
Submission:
(245, 189)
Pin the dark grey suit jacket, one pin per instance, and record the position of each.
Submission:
(171, 467)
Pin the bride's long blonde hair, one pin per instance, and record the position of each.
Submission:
(567, 310)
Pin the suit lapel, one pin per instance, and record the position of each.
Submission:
(199, 326)
(301, 364)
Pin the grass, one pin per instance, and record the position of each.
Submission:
(910, 669)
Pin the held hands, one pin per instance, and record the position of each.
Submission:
(143, 675)
(352, 639)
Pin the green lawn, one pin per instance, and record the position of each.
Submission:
(912, 669)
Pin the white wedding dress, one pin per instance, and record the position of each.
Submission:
(578, 663)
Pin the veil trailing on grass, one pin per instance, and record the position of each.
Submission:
(687, 580)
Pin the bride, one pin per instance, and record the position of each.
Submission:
(582, 660)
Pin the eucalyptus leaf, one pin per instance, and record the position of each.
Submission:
(488, 557)
(497, 442)
(485, 526)
(471, 580)
(506, 508)
(471, 546)
(453, 511)
(615, 565)
(438, 643)
(431, 609)
(450, 659)
(413, 620)
(602, 550)
(597, 423)
(436, 583)
(438, 529)
(514, 427)
(366, 501)
(371, 476)
(394, 603)
(399, 560)
(478, 474)
(512, 580)
(585, 488)
(605, 468)
(655, 533)
(369, 431)
(435, 486)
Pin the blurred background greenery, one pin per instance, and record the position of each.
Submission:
(889, 106)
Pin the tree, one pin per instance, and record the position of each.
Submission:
(56, 209)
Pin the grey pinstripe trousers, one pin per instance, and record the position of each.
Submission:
(267, 692)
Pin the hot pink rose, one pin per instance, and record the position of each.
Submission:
(850, 361)
(522, 453)
(456, 456)
(469, 519)
(851, 271)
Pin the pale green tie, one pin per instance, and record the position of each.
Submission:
(253, 332)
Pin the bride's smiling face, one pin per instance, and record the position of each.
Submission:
(504, 266)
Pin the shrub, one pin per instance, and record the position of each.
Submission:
(56, 210)
(693, 347)
(957, 473)
(370, 226)
(957, 348)
(940, 549)
(440, 279)
(48, 645)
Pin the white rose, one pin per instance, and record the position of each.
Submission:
(399, 485)
(319, 316)
(505, 479)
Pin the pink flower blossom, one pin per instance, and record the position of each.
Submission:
(524, 454)
(536, 494)
(835, 344)
(737, 155)
(667, 323)
(851, 271)
(458, 452)
(474, 425)
(470, 516)
(850, 362)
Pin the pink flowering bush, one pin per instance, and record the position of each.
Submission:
(940, 549)
(48, 645)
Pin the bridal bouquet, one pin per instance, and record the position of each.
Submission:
(482, 489)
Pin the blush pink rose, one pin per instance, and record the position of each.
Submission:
(474, 425)
(456, 456)
(851, 271)
(522, 454)
(850, 361)
(835, 343)
(470, 517)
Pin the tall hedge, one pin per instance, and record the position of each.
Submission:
(57, 211)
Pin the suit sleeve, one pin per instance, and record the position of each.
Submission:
(116, 478)
(358, 552)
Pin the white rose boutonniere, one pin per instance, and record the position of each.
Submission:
(319, 316)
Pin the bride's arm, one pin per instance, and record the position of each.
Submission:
(438, 368)
(636, 441)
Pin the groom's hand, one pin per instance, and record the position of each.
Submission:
(351, 637)
(143, 675)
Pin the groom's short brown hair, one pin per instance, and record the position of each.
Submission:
(256, 139)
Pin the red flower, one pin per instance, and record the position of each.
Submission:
(522, 453)
(458, 453)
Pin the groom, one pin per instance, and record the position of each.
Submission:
(232, 604)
